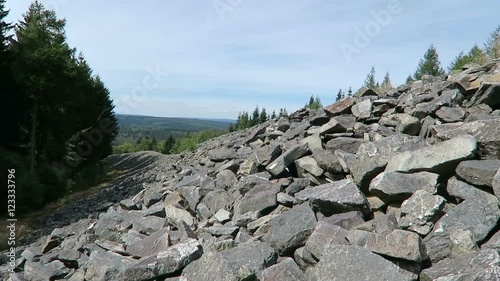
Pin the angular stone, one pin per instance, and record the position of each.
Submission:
(154, 243)
(439, 158)
(175, 214)
(222, 230)
(286, 270)
(341, 263)
(421, 211)
(221, 154)
(340, 107)
(486, 133)
(105, 266)
(484, 265)
(218, 199)
(308, 164)
(297, 185)
(259, 199)
(256, 256)
(222, 216)
(52, 271)
(53, 240)
(488, 93)
(327, 161)
(408, 124)
(372, 157)
(478, 172)
(213, 266)
(462, 242)
(363, 109)
(265, 155)
(166, 262)
(346, 220)
(479, 215)
(383, 224)
(226, 179)
(496, 184)
(450, 114)
(337, 197)
(397, 187)
(350, 145)
(325, 234)
(291, 229)
(285, 199)
(333, 126)
(282, 162)
(399, 244)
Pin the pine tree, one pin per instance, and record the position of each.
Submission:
(386, 83)
(168, 145)
(409, 79)
(273, 115)
(310, 103)
(339, 95)
(475, 55)
(429, 65)
(255, 117)
(5, 28)
(370, 81)
(263, 116)
(349, 93)
(492, 46)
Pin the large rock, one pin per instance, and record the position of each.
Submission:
(450, 114)
(362, 110)
(340, 107)
(372, 157)
(258, 199)
(221, 154)
(213, 266)
(342, 263)
(398, 244)
(396, 187)
(479, 215)
(421, 211)
(105, 266)
(325, 234)
(256, 256)
(484, 265)
(154, 243)
(337, 197)
(478, 172)
(291, 229)
(488, 93)
(166, 262)
(439, 158)
(486, 133)
(283, 161)
(333, 126)
(286, 270)
(308, 164)
(350, 145)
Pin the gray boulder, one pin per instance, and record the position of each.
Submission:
(256, 256)
(337, 197)
(291, 229)
(283, 161)
(421, 211)
(397, 187)
(363, 109)
(260, 198)
(478, 172)
(439, 158)
(286, 270)
(325, 234)
(341, 263)
(213, 266)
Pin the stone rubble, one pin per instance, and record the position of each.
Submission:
(400, 185)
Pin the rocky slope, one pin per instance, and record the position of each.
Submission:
(393, 186)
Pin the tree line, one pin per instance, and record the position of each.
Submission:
(431, 65)
(58, 117)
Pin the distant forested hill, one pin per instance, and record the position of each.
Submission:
(134, 127)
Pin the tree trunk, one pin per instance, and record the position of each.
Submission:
(34, 121)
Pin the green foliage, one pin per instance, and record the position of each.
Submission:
(340, 95)
(370, 81)
(492, 45)
(429, 65)
(475, 55)
(409, 79)
(193, 139)
(314, 103)
(58, 113)
(349, 92)
(386, 83)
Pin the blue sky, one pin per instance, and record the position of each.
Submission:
(214, 58)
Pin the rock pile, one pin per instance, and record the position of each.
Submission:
(402, 185)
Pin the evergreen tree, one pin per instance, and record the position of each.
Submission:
(492, 46)
(168, 144)
(310, 103)
(273, 115)
(475, 55)
(339, 95)
(409, 79)
(370, 81)
(386, 83)
(429, 65)
(349, 93)
(263, 116)
(255, 117)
